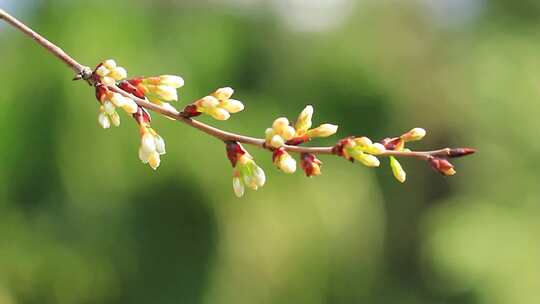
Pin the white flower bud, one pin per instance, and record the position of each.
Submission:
(269, 133)
(148, 144)
(172, 80)
(102, 71)
(144, 155)
(130, 106)
(376, 149)
(118, 100)
(104, 121)
(108, 81)
(167, 93)
(280, 124)
(119, 73)
(223, 93)
(160, 144)
(287, 164)
(154, 160)
(414, 134)
(233, 106)
(260, 177)
(208, 102)
(323, 130)
(108, 107)
(238, 187)
(219, 114)
(109, 64)
(277, 141)
(288, 133)
(115, 118)
(303, 123)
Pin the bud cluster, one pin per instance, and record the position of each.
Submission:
(159, 90)
(361, 149)
(310, 164)
(219, 105)
(246, 173)
(152, 145)
(109, 102)
(283, 160)
(283, 133)
(108, 73)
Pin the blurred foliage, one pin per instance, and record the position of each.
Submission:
(84, 222)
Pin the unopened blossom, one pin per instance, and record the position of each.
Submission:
(246, 173)
(442, 166)
(310, 164)
(414, 135)
(283, 160)
(323, 130)
(219, 104)
(152, 146)
(159, 90)
(397, 170)
(109, 102)
(280, 132)
(303, 128)
(361, 149)
(108, 73)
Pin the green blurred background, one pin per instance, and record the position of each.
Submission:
(83, 221)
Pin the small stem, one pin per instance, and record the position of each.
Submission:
(85, 72)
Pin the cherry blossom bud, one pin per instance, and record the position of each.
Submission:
(397, 170)
(233, 106)
(148, 144)
(166, 93)
(442, 165)
(459, 152)
(104, 120)
(310, 164)
(303, 123)
(130, 106)
(277, 141)
(109, 64)
(280, 124)
(393, 144)
(118, 73)
(108, 81)
(160, 144)
(414, 135)
(154, 160)
(118, 100)
(108, 107)
(238, 187)
(284, 161)
(115, 118)
(219, 114)
(323, 130)
(102, 71)
(223, 93)
(246, 173)
(209, 102)
(369, 160)
(172, 81)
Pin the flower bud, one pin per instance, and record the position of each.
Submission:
(115, 118)
(442, 165)
(102, 71)
(148, 144)
(154, 160)
(233, 106)
(310, 164)
(284, 161)
(118, 100)
(172, 81)
(219, 114)
(108, 107)
(280, 124)
(238, 187)
(223, 93)
(130, 106)
(303, 123)
(166, 93)
(323, 130)
(277, 141)
(414, 135)
(397, 170)
(109, 64)
(104, 121)
(118, 73)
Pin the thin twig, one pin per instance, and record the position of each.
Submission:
(84, 72)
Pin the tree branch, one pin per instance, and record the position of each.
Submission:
(84, 72)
